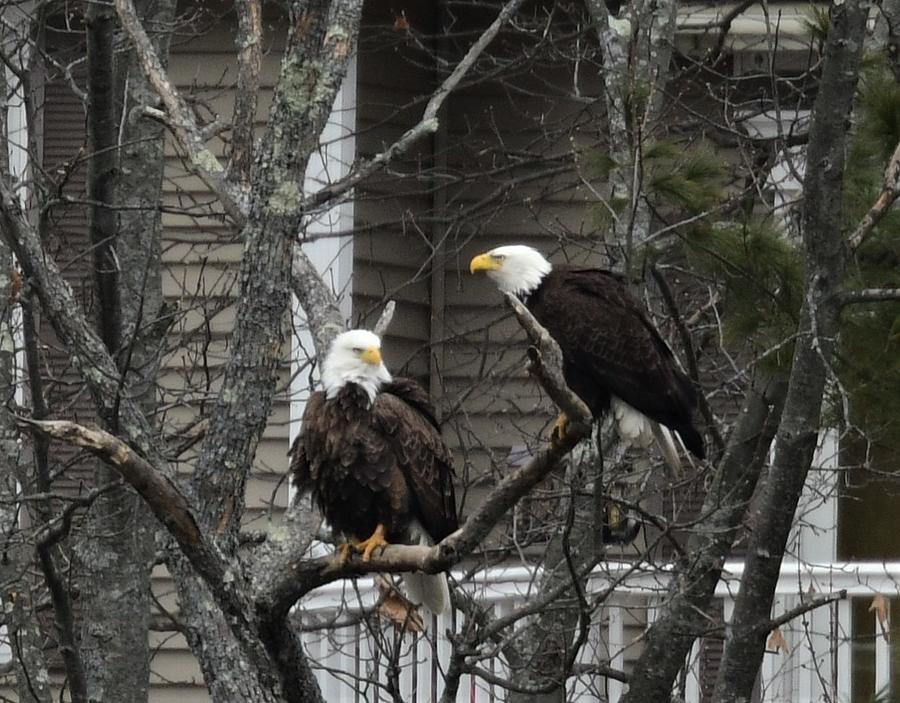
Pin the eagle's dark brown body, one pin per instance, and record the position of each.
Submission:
(611, 348)
(385, 464)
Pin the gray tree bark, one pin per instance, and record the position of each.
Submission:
(826, 259)
(16, 471)
(637, 48)
(32, 674)
(546, 649)
(117, 546)
(685, 612)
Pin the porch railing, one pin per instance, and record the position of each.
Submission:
(810, 661)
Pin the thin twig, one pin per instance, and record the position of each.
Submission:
(429, 122)
(890, 191)
(385, 320)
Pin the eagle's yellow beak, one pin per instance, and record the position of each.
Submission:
(484, 262)
(372, 355)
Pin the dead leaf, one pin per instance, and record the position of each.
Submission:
(811, 589)
(882, 609)
(395, 608)
(776, 642)
(401, 24)
(15, 285)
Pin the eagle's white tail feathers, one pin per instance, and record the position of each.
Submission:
(634, 427)
(430, 590)
(666, 443)
(638, 430)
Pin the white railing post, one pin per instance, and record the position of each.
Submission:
(692, 675)
(815, 667)
(882, 655)
(616, 646)
(843, 629)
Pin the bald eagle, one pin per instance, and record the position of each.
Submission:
(613, 357)
(370, 452)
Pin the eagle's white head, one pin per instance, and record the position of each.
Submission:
(515, 268)
(354, 357)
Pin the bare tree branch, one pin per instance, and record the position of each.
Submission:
(890, 191)
(869, 295)
(181, 116)
(798, 610)
(249, 43)
(547, 366)
(165, 499)
(385, 320)
(429, 122)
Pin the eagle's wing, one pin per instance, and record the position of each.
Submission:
(302, 470)
(608, 332)
(405, 416)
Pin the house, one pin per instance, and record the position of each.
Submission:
(502, 167)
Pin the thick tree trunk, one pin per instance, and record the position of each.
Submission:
(117, 547)
(825, 255)
(684, 615)
(546, 648)
(320, 43)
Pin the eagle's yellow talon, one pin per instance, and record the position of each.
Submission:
(560, 427)
(344, 551)
(368, 546)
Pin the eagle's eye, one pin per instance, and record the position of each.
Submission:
(358, 350)
(498, 257)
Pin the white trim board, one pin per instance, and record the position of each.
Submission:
(330, 251)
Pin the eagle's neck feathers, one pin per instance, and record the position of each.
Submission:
(336, 376)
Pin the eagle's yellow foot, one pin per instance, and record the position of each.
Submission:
(344, 551)
(558, 431)
(374, 542)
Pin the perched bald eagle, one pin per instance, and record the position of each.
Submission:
(370, 451)
(613, 356)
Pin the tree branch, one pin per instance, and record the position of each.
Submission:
(181, 117)
(429, 122)
(890, 191)
(163, 497)
(869, 295)
(768, 625)
(546, 364)
(385, 320)
(249, 43)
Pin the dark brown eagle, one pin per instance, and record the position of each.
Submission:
(613, 357)
(370, 452)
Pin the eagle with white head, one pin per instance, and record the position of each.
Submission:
(613, 357)
(370, 451)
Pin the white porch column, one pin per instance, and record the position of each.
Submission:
(330, 251)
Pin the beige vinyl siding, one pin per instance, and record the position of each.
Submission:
(391, 249)
(68, 242)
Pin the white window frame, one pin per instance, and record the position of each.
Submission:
(331, 249)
